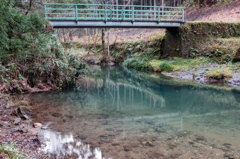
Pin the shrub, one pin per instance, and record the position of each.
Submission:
(220, 73)
(29, 50)
(166, 67)
(138, 64)
(11, 151)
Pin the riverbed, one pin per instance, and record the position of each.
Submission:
(120, 113)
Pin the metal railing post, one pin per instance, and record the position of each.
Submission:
(105, 8)
(111, 13)
(45, 8)
(76, 15)
(123, 13)
(147, 15)
(133, 14)
(158, 14)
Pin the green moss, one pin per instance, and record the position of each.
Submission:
(220, 73)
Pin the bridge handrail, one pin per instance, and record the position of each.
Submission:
(111, 5)
(106, 12)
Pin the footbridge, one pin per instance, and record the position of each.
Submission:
(64, 15)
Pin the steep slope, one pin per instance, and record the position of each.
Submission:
(223, 13)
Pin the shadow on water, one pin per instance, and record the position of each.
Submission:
(120, 113)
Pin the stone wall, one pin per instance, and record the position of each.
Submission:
(180, 41)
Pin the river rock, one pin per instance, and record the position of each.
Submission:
(172, 145)
(227, 144)
(199, 137)
(24, 130)
(44, 128)
(14, 113)
(174, 153)
(127, 148)
(115, 143)
(155, 154)
(133, 144)
(24, 110)
(17, 121)
(82, 136)
(1, 124)
(228, 154)
(37, 125)
(94, 145)
(190, 142)
(88, 142)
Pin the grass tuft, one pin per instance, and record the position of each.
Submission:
(220, 73)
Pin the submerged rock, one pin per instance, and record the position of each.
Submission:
(229, 155)
(172, 145)
(82, 136)
(115, 143)
(199, 137)
(127, 148)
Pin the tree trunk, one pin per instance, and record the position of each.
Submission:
(104, 59)
(163, 6)
(108, 46)
(103, 42)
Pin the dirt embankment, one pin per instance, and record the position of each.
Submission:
(18, 138)
(223, 13)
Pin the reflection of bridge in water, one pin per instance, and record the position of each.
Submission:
(124, 95)
(140, 126)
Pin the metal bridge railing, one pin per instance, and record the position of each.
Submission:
(62, 11)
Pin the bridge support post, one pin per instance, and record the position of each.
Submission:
(172, 43)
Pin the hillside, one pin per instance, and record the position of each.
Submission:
(224, 13)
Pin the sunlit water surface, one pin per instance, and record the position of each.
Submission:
(121, 113)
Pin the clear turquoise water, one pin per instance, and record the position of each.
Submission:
(114, 108)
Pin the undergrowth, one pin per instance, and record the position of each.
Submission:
(30, 52)
(176, 64)
(11, 151)
(220, 73)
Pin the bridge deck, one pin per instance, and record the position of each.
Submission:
(112, 24)
(112, 16)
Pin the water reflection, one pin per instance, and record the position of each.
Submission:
(62, 146)
(119, 113)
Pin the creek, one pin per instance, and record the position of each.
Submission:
(120, 113)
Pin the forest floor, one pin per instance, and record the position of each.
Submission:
(18, 137)
(223, 13)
